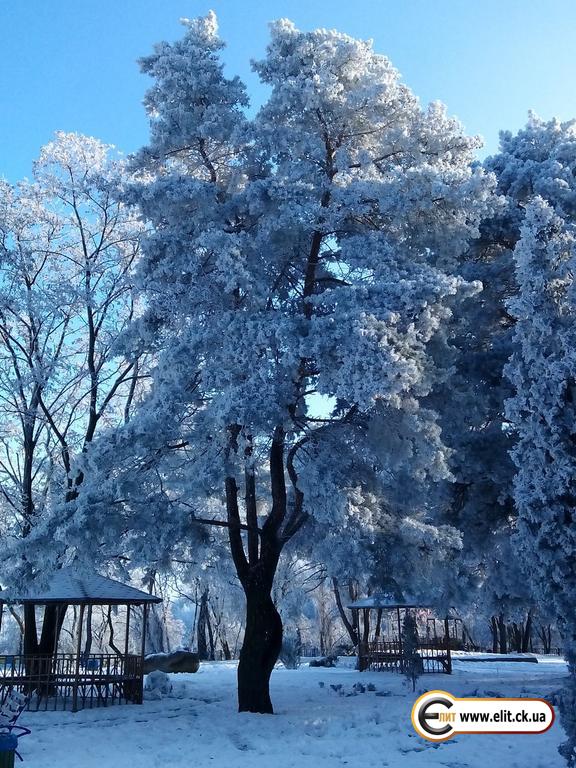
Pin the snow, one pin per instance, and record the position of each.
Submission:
(73, 587)
(314, 726)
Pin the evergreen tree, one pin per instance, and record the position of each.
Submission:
(543, 413)
(539, 159)
(411, 659)
(296, 299)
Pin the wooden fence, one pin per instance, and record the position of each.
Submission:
(71, 681)
(387, 655)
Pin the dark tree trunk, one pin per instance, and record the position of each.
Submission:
(527, 634)
(365, 625)
(51, 628)
(201, 630)
(494, 631)
(260, 651)
(353, 594)
(256, 565)
(515, 637)
(40, 654)
(545, 635)
(350, 628)
(502, 634)
(30, 631)
(378, 624)
(467, 639)
(227, 653)
(210, 635)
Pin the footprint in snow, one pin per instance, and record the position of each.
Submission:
(239, 742)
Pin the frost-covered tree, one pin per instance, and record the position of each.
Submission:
(411, 659)
(298, 279)
(67, 248)
(539, 159)
(387, 544)
(543, 413)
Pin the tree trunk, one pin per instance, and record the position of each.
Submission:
(210, 635)
(494, 631)
(502, 634)
(527, 634)
(256, 565)
(30, 631)
(467, 639)
(515, 637)
(260, 651)
(350, 628)
(378, 624)
(365, 625)
(545, 635)
(226, 652)
(40, 654)
(51, 627)
(202, 643)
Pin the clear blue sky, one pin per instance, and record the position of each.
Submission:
(71, 64)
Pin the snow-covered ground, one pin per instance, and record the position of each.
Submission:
(315, 725)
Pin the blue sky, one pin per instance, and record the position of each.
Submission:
(71, 64)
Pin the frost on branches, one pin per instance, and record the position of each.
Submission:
(543, 412)
(539, 159)
(67, 249)
(299, 276)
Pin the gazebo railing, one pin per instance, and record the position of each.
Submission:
(69, 680)
(387, 655)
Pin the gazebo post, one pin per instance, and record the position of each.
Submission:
(53, 668)
(128, 687)
(127, 638)
(73, 677)
(448, 649)
(390, 653)
(78, 654)
(378, 624)
(144, 623)
(447, 631)
(88, 646)
(361, 650)
(140, 661)
(366, 625)
(56, 629)
(400, 638)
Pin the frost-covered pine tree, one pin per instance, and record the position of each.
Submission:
(298, 281)
(543, 413)
(411, 659)
(539, 159)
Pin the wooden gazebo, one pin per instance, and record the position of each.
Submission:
(54, 680)
(379, 623)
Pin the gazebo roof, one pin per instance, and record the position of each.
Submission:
(383, 601)
(74, 588)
